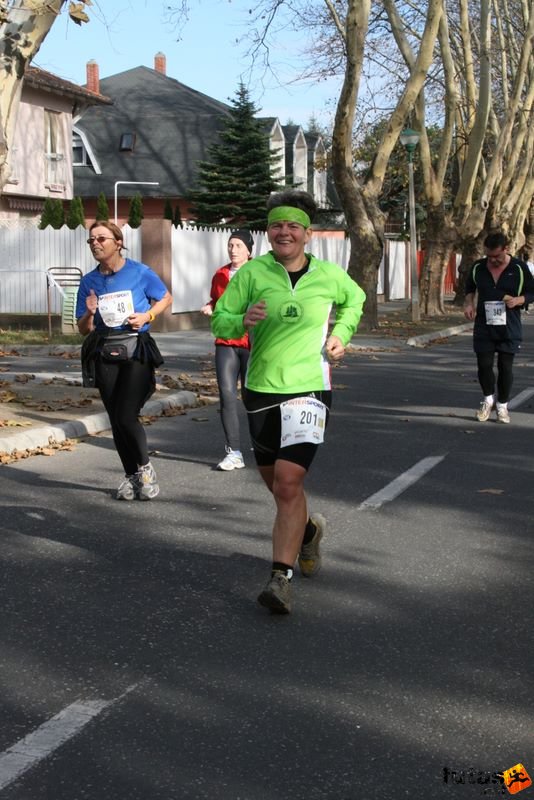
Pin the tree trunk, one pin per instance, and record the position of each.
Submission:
(366, 233)
(472, 249)
(529, 231)
(439, 242)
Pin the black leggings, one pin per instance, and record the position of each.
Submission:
(231, 367)
(124, 388)
(505, 377)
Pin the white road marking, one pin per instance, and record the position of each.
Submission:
(400, 484)
(520, 398)
(49, 736)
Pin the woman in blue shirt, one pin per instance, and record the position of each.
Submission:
(117, 302)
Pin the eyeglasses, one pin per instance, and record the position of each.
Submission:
(99, 239)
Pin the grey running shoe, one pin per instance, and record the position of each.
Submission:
(232, 460)
(483, 413)
(128, 488)
(147, 486)
(277, 594)
(310, 554)
(502, 414)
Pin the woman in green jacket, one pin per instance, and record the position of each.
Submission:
(284, 300)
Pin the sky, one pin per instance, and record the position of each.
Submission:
(208, 53)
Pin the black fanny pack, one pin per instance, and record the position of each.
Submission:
(119, 347)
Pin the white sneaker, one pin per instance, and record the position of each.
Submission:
(147, 482)
(232, 460)
(502, 414)
(483, 413)
(128, 488)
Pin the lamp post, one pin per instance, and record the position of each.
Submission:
(139, 183)
(410, 139)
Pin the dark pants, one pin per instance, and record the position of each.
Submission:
(230, 366)
(486, 375)
(124, 388)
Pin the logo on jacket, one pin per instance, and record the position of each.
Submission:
(290, 312)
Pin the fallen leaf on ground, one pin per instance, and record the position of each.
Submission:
(8, 397)
(175, 411)
(49, 450)
(14, 423)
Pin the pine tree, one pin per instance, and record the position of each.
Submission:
(102, 208)
(75, 216)
(53, 214)
(135, 211)
(177, 219)
(239, 177)
(167, 211)
(46, 216)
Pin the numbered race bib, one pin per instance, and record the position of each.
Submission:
(303, 420)
(115, 307)
(495, 312)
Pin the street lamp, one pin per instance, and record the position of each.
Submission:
(410, 139)
(139, 183)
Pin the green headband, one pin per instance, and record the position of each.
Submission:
(288, 214)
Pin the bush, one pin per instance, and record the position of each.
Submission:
(102, 208)
(53, 214)
(135, 213)
(76, 216)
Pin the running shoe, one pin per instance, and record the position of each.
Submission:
(502, 414)
(146, 479)
(277, 594)
(483, 413)
(232, 460)
(310, 554)
(127, 489)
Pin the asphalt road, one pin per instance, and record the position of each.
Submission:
(409, 654)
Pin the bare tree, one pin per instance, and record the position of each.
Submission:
(24, 25)
(341, 31)
(485, 71)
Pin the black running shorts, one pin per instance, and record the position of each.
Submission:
(263, 412)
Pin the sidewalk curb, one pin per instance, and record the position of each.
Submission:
(424, 338)
(88, 425)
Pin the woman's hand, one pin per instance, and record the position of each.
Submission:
(255, 314)
(91, 301)
(137, 320)
(207, 310)
(334, 348)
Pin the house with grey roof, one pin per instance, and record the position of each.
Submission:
(152, 137)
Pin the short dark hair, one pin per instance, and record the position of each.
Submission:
(294, 198)
(494, 240)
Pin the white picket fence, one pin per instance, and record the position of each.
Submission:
(26, 255)
(196, 254)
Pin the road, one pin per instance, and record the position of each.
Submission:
(134, 656)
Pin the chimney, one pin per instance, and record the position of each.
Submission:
(93, 80)
(160, 63)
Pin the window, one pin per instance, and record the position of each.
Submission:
(127, 142)
(79, 153)
(54, 151)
